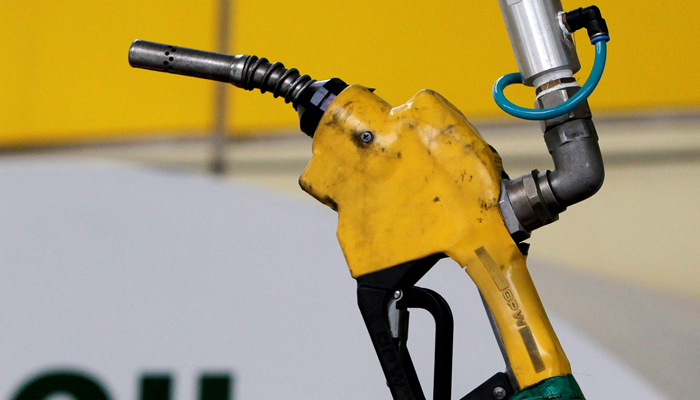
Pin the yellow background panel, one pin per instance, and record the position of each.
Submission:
(64, 75)
(397, 48)
(460, 48)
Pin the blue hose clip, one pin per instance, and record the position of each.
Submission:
(600, 43)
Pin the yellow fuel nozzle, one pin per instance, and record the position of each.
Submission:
(418, 180)
(411, 184)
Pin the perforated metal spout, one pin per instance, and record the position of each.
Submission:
(243, 71)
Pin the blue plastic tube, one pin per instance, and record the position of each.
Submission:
(573, 102)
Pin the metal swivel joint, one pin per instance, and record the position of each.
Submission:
(540, 34)
(309, 97)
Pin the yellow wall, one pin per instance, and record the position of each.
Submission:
(64, 75)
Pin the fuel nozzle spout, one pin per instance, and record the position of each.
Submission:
(309, 97)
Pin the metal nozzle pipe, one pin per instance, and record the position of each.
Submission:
(243, 71)
(184, 61)
(309, 98)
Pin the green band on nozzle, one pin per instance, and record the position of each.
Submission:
(559, 387)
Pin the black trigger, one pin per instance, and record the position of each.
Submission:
(524, 247)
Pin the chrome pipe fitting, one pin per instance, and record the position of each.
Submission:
(542, 46)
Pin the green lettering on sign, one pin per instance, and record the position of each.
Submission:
(80, 386)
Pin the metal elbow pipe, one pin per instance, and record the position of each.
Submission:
(578, 164)
(537, 198)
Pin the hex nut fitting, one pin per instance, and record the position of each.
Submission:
(555, 98)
